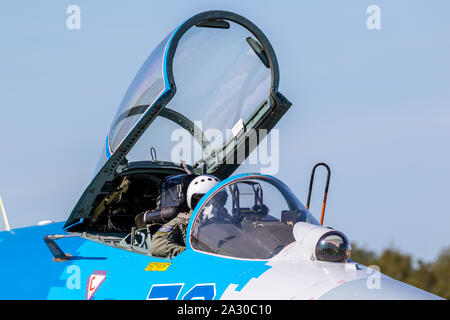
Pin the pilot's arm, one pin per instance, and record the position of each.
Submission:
(169, 240)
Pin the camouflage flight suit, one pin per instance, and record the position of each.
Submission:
(170, 239)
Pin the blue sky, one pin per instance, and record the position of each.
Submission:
(373, 104)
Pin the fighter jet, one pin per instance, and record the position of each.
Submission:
(200, 104)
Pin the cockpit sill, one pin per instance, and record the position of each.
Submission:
(119, 241)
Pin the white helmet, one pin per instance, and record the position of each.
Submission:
(198, 187)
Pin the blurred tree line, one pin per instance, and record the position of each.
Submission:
(433, 277)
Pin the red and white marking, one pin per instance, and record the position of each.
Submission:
(94, 282)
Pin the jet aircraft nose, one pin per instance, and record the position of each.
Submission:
(386, 289)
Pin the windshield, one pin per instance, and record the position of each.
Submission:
(249, 218)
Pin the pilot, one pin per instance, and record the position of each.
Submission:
(170, 239)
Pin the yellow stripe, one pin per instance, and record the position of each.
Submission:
(157, 266)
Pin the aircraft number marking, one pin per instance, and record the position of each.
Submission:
(203, 291)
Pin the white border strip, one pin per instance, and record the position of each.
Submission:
(5, 218)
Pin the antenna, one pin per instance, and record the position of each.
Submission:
(5, 219)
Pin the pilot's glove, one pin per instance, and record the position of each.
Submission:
(214, 214)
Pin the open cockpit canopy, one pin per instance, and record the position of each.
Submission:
(200, 97)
